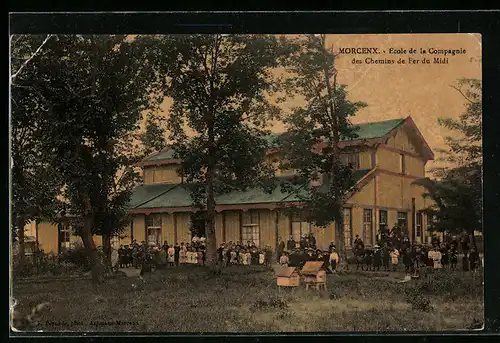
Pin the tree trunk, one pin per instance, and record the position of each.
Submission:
(106, 247)
(88, 243)
(340, 244)
(211, 258)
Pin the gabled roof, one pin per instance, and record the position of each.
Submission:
(312, 267)
(285, 271)
(376, 129)
(175, 196)
(364, 131)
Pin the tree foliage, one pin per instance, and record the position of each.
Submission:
(456, 189)
(314, 131)
(34, 184)
(220, 85)
(94, 90)
(153, 137)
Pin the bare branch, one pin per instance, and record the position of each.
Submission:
(30, 58)
(465, 97)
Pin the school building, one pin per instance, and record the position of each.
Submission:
(387, 157)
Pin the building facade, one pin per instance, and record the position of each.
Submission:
(387, 157)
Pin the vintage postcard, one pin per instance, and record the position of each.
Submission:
(246, 183)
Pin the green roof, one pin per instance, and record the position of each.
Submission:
(377, 129)
(176, 195)
(145, 193)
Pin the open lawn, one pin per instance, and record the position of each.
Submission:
(246, 299)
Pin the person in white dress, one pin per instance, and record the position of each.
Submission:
(435, 256)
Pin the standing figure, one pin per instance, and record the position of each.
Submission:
(453, 257)
(182, 254)
(177, 250)
(281, 248)
(435, 256)
(377, 258)
(474, 260)
(394, 259)
(386, 256)
(444, 256)
(407, 260)
(290, 244)
(334, 260)
(331, 247)
(171, 255)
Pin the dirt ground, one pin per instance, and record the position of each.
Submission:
(246, 299)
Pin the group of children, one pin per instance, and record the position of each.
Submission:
(243, 254)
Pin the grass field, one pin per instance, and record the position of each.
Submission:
(246, 299)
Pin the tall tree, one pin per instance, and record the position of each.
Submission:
(34, 185)
(311, 144)
(456, 189)
(219, 86)
(95, 89)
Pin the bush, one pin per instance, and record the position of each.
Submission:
(77, 256)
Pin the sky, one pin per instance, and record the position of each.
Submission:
(391, 91)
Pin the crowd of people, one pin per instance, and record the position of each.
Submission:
(416, 256)
(138, 254)
(231, 253)
(389, 255)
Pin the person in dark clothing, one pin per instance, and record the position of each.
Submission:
(407, 260)
(177, 250)
(331, 247)
(385, 257)
(474, 260)
(368, 260)
(294, 259)
(281, 248)
(255, 256)
(220, 254)
(444, 256)
(359, 253)
(312, 241)
(357, 241)
(302, 243)
(453, 257)
(290, 245)
(377, 259)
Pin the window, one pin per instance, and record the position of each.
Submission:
(402, 163)
(347, 227)
(367, 225)
(65, 235)
(403, 220)
(418, 227)
(153, 229)
(250, 230)
(353, 160)
(382, 221)
(374, 159)
(300, 226)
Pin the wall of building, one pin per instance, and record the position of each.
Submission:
(232, 225)
(161, 174)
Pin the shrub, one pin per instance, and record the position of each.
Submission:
(77, 256)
